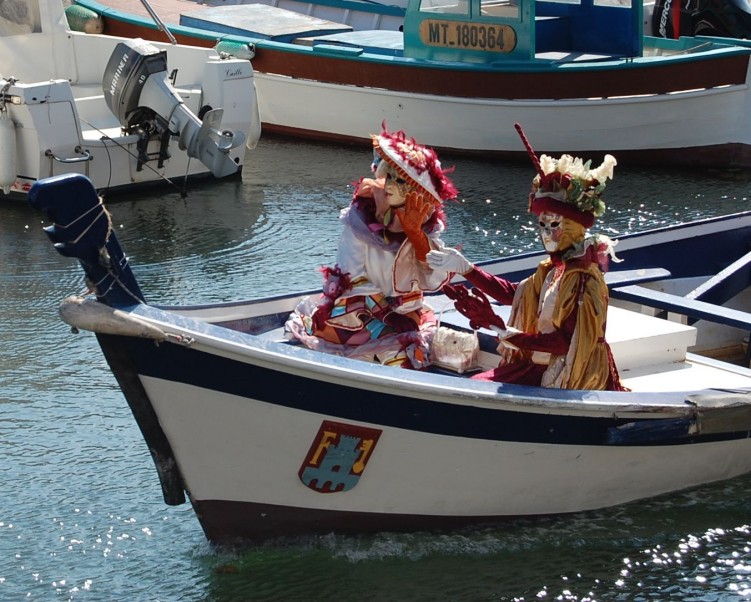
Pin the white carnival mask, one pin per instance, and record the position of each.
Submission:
(551, 229)
(396, 188)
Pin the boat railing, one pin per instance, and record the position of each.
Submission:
(160, 24)
(83, 156)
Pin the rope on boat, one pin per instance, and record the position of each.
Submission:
(115, 280)
(103, 211)
(105, 260)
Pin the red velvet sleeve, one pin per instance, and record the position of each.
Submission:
(556, 342)
(500, 289)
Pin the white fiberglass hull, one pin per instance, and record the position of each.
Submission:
(684, 120)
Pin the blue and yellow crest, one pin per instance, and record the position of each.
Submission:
(338, 456)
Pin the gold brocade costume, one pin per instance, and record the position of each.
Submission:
(555, 336)
(580, 290)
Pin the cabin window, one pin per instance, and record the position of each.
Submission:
(615, 3)
(507, 9)
(18, 17)
(622, 3)
(454, 7)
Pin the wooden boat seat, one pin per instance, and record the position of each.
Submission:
(683, 305)
(687, 306)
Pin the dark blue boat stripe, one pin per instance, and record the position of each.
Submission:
(211, 372)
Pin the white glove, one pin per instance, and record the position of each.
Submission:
(505, 333)
(448, 260)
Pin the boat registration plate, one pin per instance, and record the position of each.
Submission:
(472, 36)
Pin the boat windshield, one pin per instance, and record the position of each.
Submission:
(500, 8)
(18, 17)
(495, 8)
(455, 7)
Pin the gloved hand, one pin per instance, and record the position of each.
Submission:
(412, 216)
(475, 306)
(449, 260)
(322, 313)
(504, 334)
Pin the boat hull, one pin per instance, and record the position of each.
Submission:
(689, 110)
(244, 426)
(268, 437)
(645, 129)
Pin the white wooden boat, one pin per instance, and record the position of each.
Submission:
(124, 113)
(580, 75)
(269, 438)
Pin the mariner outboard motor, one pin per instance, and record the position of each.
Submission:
(138, 91)
(720, 18)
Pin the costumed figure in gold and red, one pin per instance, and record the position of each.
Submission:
(556, 331)
(372, 303)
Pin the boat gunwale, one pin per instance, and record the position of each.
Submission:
(358, 374)
(718, 49)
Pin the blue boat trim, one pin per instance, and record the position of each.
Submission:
(175, 363)
(721, 48)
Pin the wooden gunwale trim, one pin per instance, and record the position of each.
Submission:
(560, 84)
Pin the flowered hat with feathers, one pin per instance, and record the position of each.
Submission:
(568, 186)
(414, 162)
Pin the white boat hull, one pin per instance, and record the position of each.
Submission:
(639, 123)
(219, 440)
(267, 437)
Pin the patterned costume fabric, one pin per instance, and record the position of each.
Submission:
(372, 304)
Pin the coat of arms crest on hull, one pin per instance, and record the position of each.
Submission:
(338, 456)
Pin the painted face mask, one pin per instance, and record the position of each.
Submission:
(396, 188)
(551, 230)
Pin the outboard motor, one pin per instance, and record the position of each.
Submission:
(720, 18)
(138, 91)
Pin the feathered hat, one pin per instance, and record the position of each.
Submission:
(414, 162)
(567, 186)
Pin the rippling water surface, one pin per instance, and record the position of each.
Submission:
(81, 512)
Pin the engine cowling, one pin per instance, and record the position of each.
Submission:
(138, 91)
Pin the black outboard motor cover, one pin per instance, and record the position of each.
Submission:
(129, 67)
(721, 18)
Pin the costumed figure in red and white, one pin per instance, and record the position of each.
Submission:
(556, 331)
(372, 304)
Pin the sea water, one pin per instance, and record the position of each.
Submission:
(81, 511)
